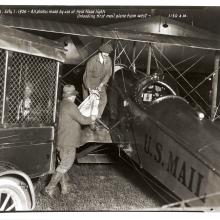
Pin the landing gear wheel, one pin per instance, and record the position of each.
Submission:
(14, 195)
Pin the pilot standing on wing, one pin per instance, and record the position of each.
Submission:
(69, 132)
(97, 74)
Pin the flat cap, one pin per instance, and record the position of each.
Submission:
(106, 48)
(69, 90)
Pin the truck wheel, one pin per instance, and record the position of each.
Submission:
(14, 195)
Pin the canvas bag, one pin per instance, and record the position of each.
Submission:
(90, 105)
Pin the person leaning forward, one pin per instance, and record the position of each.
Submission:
(97, 74)
(69, 135)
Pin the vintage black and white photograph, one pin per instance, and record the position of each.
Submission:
(109, 108)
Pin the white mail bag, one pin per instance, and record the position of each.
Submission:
(89, 107)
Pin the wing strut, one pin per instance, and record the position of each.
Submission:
(133, 56)
(149, 60)
(215, 87)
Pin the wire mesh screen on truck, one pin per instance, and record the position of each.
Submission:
(31, 90)
(2, 77)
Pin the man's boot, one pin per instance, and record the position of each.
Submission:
(65, 184)
(50, 188)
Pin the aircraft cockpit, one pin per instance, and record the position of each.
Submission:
(143, 89)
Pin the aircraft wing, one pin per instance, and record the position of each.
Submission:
(84, 30)
(19, 41)
(169, 40)
(54, 27)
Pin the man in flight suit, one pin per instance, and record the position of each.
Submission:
(97, 74)
(69, 135)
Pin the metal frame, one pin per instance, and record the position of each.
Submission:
(5, 84)
(56, 92)
(20, 70)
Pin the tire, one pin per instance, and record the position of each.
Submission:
(14, 195)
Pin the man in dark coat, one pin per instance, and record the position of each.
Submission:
(97, 74)
(69, 136)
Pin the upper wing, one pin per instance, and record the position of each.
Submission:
(83, 30)
(19, 41)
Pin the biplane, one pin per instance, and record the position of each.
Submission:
(162, 115)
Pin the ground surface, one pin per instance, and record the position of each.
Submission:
(109, 187)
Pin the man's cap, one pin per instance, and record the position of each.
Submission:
(69, 90)
(106, 48)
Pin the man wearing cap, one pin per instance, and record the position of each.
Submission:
(97, 74)
(69, 132)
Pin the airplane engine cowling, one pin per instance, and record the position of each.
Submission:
(151, 88)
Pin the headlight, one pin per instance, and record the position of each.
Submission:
(201, 115)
